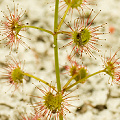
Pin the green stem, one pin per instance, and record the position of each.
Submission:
(63, 18)
(68, 82)
(56, 47)
(56, 50)
(46, 83)
(64, 32)
(57, 64)
(82, 80)
(26, 26)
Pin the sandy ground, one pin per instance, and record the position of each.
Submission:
(98, 100)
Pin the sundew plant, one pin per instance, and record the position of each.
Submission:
(82, 38)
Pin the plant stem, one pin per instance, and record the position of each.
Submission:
(64, 32)
(68, 82)
(50, 32)
(56, 51)
(29, 75)
(63, 18)
(82, 80)
(57, 64)
(56, 47)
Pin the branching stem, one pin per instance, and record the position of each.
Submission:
(82, 80)
(63, 18)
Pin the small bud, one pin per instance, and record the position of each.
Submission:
(75, 69)
(11, 27)
(14, 72)
(81, 38)
(17, 75)
(53, 103)
(112, 68)
(84, 36)
(75, 4)
(82, 73)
